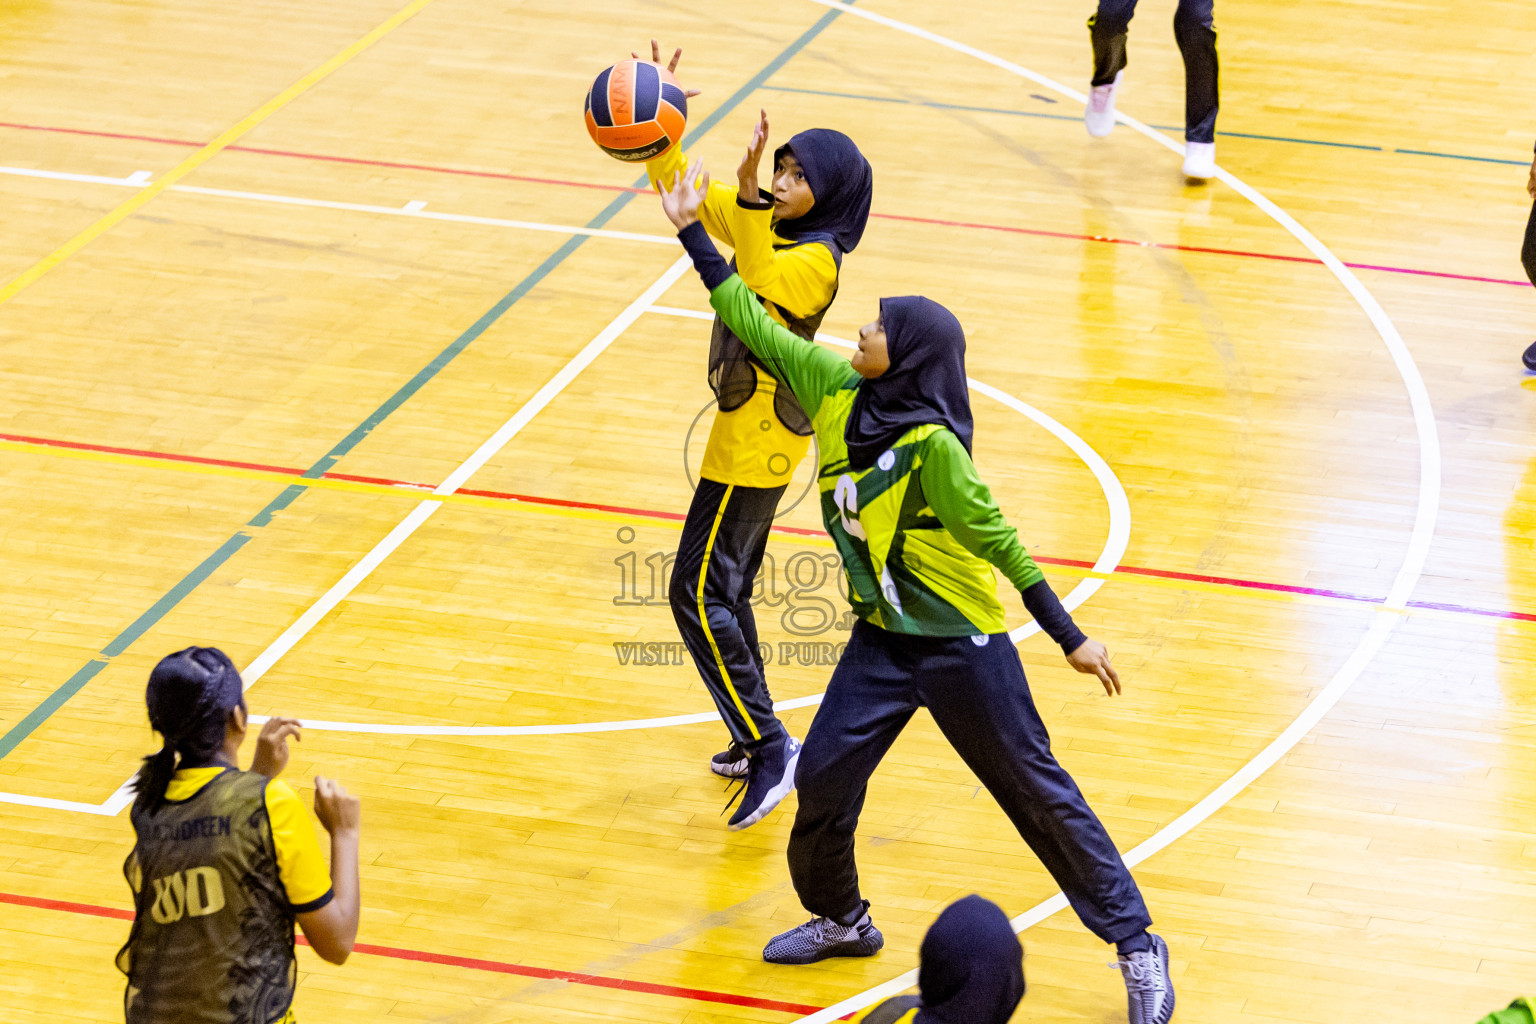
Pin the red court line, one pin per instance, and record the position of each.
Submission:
(1175, 247)
(472, 963)
(796, 531)
(1040, 233)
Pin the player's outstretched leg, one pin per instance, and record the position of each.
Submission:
(1108, 30)
(1195, 32)
(869, 700)
(979, 697)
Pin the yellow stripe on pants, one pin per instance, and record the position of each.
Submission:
(704, 614)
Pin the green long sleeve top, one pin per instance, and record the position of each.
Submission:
(919, 530)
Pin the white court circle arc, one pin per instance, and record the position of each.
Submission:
(1115, 543)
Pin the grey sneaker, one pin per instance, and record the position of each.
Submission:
(821, 937)
(1148, 989)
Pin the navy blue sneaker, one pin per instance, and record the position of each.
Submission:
(730, 763)
(822, 937)
(1530, 358)
(1148, 989)
(770, 778)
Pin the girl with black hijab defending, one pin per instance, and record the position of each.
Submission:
(789, 246)
(919, 535)
(970, 971)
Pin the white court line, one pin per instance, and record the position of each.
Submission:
(132, 181)
(420, 514)
(416, 208)
(1382, 623)
(1109, 558)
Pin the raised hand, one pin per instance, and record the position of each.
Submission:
(272, 746)
(681, 201)
(339, 811)
(746, 174)
(677, 55)
(1092, 658)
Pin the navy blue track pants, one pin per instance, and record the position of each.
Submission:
(981, 702)
(1195, 32)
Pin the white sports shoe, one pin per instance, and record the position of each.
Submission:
(1100, 114)
(1200, 160)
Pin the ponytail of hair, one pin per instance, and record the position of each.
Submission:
(189, 697)
(154, 778)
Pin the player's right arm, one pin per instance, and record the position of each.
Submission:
(718, 210)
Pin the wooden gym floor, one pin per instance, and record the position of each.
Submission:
(1311, 546)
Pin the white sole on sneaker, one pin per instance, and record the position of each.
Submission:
(775, 796)
(730, 769)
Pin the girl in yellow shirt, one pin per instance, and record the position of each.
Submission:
(789, 245)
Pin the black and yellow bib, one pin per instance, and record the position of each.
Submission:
(760, 432)
(212, 936)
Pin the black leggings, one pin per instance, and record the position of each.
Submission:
(1195, 31)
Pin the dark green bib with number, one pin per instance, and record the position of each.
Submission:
(212, 937)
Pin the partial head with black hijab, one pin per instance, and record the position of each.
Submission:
(842, 183)
(972, 966)
(925, 382)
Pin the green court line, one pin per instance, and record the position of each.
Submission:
(171, 598)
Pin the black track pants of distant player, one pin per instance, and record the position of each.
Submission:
(723, 541)
(1196, 34)
(1528, 250)
(981, 702)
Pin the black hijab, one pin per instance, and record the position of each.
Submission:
(925, 382)
(842, 182)
(972, 969)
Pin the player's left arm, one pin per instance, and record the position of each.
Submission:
(799, 280)
(965, 507)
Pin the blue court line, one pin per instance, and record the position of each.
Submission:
(171, 598)
(1160, 127)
